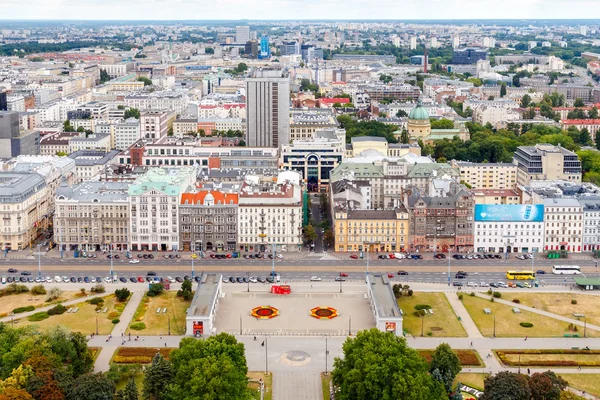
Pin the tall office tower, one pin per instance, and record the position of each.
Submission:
(242, 34)
(413, 43)
(268, 109)
(264, 51)
(455, 42)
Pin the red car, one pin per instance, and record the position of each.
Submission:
(141, 279)
(343, 274)
(390, 275)
(212, 255)
(228, 255)
(391, 256)
(354, 256)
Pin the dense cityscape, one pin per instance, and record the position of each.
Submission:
(300, 209)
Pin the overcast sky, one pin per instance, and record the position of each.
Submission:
(296, 9)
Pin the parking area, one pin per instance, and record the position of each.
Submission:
(352, 307)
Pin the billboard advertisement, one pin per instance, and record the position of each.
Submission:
(509, 213)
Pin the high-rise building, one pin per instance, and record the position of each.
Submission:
(289, 48)
(468, 55)
(268, 109)
(265, 48)
(242, 34)
(455, 42)
(3, 101)
(413, 43)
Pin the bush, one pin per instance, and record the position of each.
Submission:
(410, 292)
(517, 301)
(497, 295)
(138, 326)
(40, 316)
(99, 288)
(526, 324)
(419, 313)
(96, 300)
(155, 289)
(13, 288)
(23, 309)
(38, 289)
(489, 292)
(180, 293)
(492, 299)
(54, 294)
(139, 355)
(472, 294)
(573, 301)
(187, 296)
(429, 333)
(122, 294)
(57, 310)
(422, 306)
(460, 296)
(116, 321)
(112, 315)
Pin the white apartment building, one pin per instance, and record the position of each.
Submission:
(115, 70)
(270, 214)
(97, 141)
(154, 207)
(496, 116)
(487, 175)
(591, 223)
(89, 164)
(508, 228)
(563, 224)
(155, 124)
(176, 102)
(122, 133)
(92, 216)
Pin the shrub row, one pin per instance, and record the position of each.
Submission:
(40, 316)
(549, 351)
(526, 324)
(137, 326)
(57, 310)
(96, 300)
(14, 288)
(422, 307)
(23, 309)
(138, 355)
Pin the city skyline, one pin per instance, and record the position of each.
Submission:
(283, 9)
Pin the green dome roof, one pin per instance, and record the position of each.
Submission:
(419, 113)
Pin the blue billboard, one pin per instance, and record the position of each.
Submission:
(509, 212)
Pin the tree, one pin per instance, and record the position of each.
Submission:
(131, 113)
(62, 153)
(546, 386)
(443, 123)
(209, 50)
(525, 100)
(593, 113)
(170, 131)
(597, 139)
(379, 365)
(404, 138)
(446, 363)
(385, 78)
(307, 86)
(157, 377)
(91, 387)
(122, 294)
(11, 393)
(584, 136)
(578, 103)
(503, 89)
(147, 82)
(214, 368)
(104, 77)
(309, 233)
(241, 143)
(67, 126)
(401, 114)
(155, 289)
(506, 386)
(131, 391)
(81, 129)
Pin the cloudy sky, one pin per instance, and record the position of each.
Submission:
(296, 9)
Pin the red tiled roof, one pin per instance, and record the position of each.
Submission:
(333, 100)
(581, 121)
(223, 198)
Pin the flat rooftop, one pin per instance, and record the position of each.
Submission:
(205, 296)
(386, 303)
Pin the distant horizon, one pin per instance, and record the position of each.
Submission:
(297, 10)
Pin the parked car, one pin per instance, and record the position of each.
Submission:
(133, 279)
(472, 284)
(151, 273)
(526, 284)
(58, 279)
(483, 284)
(178, 279)
(353, 256)
(26, 273)
(123, 279)
(315, 278)
(345, 275)
(401, 272)
(12, 270)
(134, 261)
(340, 279)
(457, 283)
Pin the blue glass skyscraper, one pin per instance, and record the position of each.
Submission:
(265, 48)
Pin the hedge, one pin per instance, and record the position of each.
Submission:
(96, 300)
(137, 326)
(40, 316)
(23, 309)
(57, 310)
(465, 357)
(116, 321)
(422, 307)
(502, 355)
(138, 355)
(526, 324)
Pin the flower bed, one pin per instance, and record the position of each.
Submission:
(139, 355)
(550, 358)
(324, 313)
(264, 312)
(467, 358)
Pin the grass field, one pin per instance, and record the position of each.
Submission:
(473, 380)
(467, 358)
(590, 383)
(325, 379)
(158, 323)
(10, 302)
(139, 381)
(443, 322)
(560, 303)
(507, 322)
(84, 320)
(267, 379)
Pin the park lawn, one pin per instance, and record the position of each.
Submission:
(139, 381)
(560, 303)
(267, 379)
(590, 383)
(325, 379)
(507, 322)
(158, 323)
(471, 379)
(12, 301)
(84, 320)
(443, 322)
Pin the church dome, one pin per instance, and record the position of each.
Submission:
(419, 113)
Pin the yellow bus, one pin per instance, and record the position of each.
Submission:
(520, 275)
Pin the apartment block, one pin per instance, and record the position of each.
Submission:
(487, 175)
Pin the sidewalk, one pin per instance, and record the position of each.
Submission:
(541, 312)
(118, 333)
(462, 313)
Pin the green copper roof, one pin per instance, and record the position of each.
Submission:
(419, 113)
(168, 181)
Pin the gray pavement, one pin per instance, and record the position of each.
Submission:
(462, 313)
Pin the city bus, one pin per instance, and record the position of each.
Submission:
(520, 275)
(566, 270)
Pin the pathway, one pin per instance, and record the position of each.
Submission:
(541, 312)
(461, 312)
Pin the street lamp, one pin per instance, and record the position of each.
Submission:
(96, 324)
(266, 354)
(494, 326)
(12, 322)
(111, 262)
(249, 281)
(39, 262)
(341, 280)
(422, 322)
(448, 268)
(193, 255)
(326, 354)
(519, 350)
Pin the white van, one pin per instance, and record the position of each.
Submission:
(399, 256)
(471, 284)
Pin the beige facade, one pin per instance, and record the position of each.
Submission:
(495, 196)
(546, 162)
(371, 230)
(487, 175)
(185, 126)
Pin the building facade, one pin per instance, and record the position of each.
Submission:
(563, 220)
(155, 124)
(487, 175)
(546, 162)
(591, 223)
